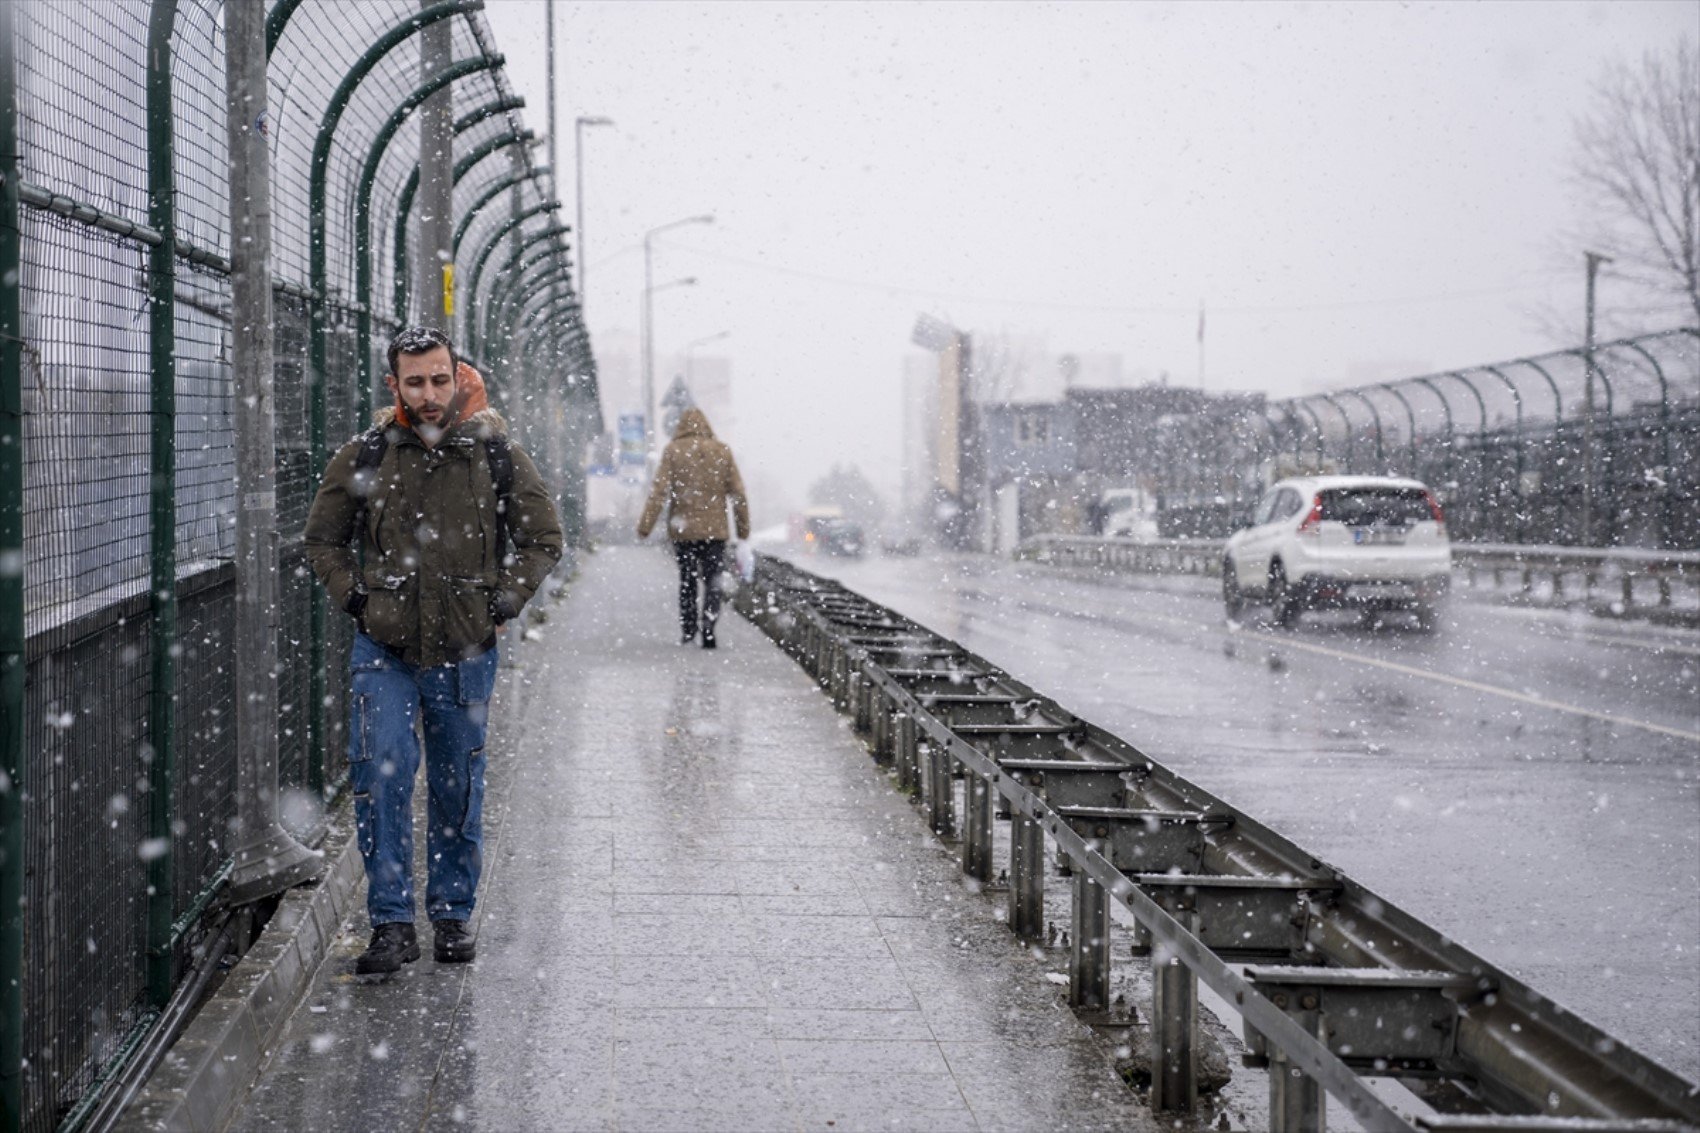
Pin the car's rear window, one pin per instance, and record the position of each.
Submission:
(1366, 507)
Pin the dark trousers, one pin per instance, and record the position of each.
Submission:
(699, 562)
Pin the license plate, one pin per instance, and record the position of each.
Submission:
(1371, 536)
(1384, 591)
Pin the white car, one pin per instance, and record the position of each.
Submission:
(1341, 542)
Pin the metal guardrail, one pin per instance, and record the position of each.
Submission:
(1338, 986)
(1620, 576)
(1629, 580)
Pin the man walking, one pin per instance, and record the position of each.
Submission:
(457, 531)
(696, 480)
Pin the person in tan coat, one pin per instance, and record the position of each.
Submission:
(696, 480)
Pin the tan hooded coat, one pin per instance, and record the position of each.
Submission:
(696, 479)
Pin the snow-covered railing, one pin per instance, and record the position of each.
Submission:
(1621, 580)
(1338, 986)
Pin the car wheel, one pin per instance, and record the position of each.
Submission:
(1428, 617)
(1232, 597)
(1283, 604)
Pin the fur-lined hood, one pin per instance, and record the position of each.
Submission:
(472, 407)
(483, 423)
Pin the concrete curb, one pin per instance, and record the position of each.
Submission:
(208, 1071)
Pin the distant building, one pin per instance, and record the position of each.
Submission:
(920, 441)
(1048, 436)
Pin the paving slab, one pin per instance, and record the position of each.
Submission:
(704, 907)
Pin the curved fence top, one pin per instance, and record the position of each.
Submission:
(1647, 373)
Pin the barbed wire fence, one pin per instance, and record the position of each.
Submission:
(119, 479)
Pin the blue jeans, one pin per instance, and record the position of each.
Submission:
(383, 762)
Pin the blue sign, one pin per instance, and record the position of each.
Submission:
(631, 438)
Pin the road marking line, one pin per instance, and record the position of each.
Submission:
(1495, 690)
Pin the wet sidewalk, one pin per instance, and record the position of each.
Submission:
(703, 907)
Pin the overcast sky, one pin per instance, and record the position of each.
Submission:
(1353, 191)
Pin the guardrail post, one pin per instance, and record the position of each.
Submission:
(1296, 1101)
(904, 751)
(840, 676)
(1089, 957)
(1174, 1030)
(853, 688)
(884, 733)
(1026, 879)
(977, 852)
(941, 794)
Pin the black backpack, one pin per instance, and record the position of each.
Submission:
(375, 442)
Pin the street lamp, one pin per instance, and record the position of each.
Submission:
(648, 326)
(648, 376)
(691, 346)
(578, 164)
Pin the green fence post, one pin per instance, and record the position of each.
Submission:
(162, 500)
(12, 655)
(473, 338)
(521, 279)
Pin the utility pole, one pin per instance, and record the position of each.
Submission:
(436, 206)
(268, 859)
(554, 155)
(1594, 260)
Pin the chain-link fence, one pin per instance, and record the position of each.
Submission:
(118, 782)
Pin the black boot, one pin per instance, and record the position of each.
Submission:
(453, 944)
(393, 945)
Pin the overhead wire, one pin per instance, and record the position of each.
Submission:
(1096, 308)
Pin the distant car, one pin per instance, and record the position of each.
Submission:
(1341, 542)
(842, 537)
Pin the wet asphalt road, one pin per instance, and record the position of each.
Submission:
(1526, 781)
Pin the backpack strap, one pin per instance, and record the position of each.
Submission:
(499, 452)
(373, 444)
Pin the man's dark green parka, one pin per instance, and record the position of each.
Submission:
(434, 578)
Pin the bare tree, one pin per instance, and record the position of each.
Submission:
(1637, 165)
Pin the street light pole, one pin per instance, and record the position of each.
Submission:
(578, 163)
(691, 346)
(648, 321)
(649, 431)
(1594, 259)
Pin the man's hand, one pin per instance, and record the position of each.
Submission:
(502, 609)
(355, 607)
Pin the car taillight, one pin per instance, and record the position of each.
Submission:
(1434, 508)
(1313, 522)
